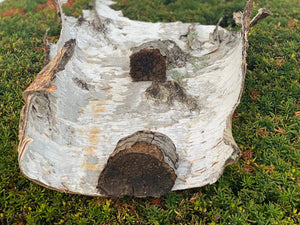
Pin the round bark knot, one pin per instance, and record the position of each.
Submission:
(142, 164)
(148, 65)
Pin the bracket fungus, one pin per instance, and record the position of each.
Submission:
(126, 107)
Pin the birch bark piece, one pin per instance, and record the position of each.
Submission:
(109, 77)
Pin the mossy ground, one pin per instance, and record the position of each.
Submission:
(262, 188)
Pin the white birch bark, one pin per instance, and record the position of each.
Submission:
(84, 101)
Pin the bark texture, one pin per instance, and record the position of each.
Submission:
(159, 85)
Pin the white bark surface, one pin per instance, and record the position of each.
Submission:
(70, 126)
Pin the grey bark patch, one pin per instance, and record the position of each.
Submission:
(70, 46)
(81, 20)
(47, 48)
(192, 38)
(42, 112)
(170, 92)
(81, 84)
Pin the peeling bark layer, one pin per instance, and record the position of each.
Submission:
(109, 77)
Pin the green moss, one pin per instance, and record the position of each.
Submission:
(262, 188)
(76, 9)
(202, 11)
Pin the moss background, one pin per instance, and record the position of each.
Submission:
(262, 188)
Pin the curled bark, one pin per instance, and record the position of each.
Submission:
(176, 83)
